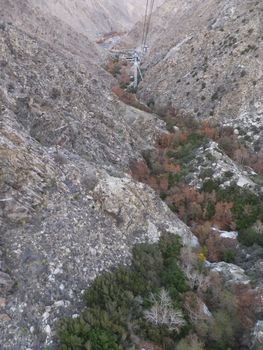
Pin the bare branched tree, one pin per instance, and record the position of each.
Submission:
(163, 313)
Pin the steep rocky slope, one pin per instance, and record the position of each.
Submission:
(68, 208)
(205, 58)
(51, 30)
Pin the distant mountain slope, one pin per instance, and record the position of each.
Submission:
(93, 17)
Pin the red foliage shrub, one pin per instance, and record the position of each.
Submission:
(223, 217)
(124, 78)
(166, 140)
(140, 171)
(171, 168)
(208, 130)
(129, 99)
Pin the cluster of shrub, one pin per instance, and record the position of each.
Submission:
(166, 170)
(152, 302)
(228, 140)
(114, 317)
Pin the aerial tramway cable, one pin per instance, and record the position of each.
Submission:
(136, 58)
(147, 21)
(146, 28)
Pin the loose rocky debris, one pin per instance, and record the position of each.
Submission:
(248, 126)
(211, 162)
(226, 234)
(231, 273)
(258, 333)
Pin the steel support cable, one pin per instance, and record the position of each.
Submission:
(145, 22)
(148, 22)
